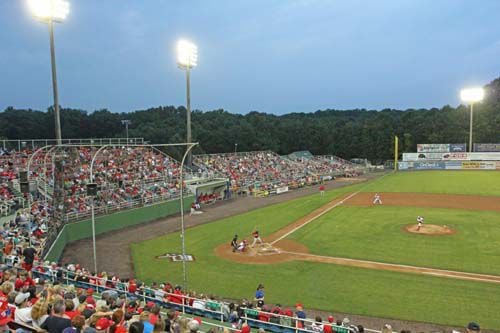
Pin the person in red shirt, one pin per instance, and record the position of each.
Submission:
(322, 190)
(177, 296)
(70, 309)
(132, 286)
(327, 328)
(90, 299)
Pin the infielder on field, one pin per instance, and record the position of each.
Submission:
(377, 199)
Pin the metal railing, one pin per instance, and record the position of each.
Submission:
(37, 143)
(212, 309)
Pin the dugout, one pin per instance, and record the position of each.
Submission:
(209, 190)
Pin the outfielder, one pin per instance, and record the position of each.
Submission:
(256, 238)
(420, 221)
(377, 199)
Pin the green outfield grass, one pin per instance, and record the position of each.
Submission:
(451, 182)
(375, 233)
(331, 287)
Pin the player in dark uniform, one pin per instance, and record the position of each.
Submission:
(234, 243)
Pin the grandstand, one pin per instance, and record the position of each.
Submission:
(128, 176)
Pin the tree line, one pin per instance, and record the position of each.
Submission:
(345, 133)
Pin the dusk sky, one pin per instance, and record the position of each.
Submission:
(265, 55)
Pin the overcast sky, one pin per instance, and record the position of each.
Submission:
(274, 56)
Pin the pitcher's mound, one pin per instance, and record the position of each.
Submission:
(430, 229)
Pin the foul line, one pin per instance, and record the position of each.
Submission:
(326, 210)
(401, 268)
(314, 218)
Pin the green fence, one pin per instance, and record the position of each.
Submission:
(126, 218)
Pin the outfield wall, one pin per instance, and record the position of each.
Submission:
(83, 229)
(449, 165)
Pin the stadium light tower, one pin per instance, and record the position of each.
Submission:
(187, 58)
(471, 96)
(126, 122)
(50, 12)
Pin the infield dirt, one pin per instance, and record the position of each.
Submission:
(288, 250)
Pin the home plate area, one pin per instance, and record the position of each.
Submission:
(263, 249)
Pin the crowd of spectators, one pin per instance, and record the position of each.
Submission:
(37, 295)
(265, 169)
(125, 176)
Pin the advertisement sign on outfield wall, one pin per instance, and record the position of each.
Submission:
(486, 147)
(498, 165)
(441, 148)
(458, 148)
(428, 165)
(479, 165)
(453, 165)
(433, 148)
(435, 156)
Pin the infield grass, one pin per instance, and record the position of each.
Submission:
(321, 286)
(376, 233)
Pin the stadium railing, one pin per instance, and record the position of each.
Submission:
(219, 309)
(37, 143)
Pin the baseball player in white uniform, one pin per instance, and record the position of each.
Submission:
(420, 221)
(377, 199)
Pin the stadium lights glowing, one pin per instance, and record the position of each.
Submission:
(187, 54)
(49, 10)
(472, 95)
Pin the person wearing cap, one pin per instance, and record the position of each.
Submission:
(299, 313)
(327, 328)
(387, 328)
(23, 311)
(473, 327)
(234, 243)
(56, 322)
(259, 293)
(194, 326)
(103, 324)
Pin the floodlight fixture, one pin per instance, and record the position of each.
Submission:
(472, 95)
(187, 54)
(49, 10)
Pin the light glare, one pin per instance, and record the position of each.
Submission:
(55, 10)
(187, 54)
(472, 95)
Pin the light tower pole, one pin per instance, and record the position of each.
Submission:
(50, 12)
(187, 59)
(471, 96)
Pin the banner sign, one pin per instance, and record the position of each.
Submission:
(404, 165)
(487, 147)
(433, 148)
(280, 190)
(458, 148)
(479, 165)
(441, 148)
(453, 165)
(498, 165)
(451, 157)
(429, 165)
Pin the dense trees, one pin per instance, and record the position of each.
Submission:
(351, 133)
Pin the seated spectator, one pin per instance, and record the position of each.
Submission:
(317, 326)
(56, 322)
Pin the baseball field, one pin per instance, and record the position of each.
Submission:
(341, 253)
